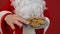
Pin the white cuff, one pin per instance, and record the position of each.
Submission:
(48, 20)
(2, 13)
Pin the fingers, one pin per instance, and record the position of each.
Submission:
(22, 20)
(11, 25)
(15, 22)
(15, 19)
(18, 23)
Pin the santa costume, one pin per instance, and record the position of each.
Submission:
(24, 8)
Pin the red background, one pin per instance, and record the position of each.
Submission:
(53, 13)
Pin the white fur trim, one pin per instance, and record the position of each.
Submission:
(1, 14)
(45, 29)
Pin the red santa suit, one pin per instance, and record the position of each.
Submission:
(5, 9)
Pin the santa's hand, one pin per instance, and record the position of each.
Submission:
(15, 19)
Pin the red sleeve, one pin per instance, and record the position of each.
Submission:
(5, 9)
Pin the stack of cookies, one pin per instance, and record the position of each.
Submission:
(36, 22)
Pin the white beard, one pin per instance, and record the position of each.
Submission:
(29, 8)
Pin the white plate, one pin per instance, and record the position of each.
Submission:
(42, 26)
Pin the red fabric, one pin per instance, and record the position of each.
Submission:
(40, 31)
(5, 27)
(53, 13)
(4, 4)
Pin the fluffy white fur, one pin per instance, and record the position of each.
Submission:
(28, 8)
